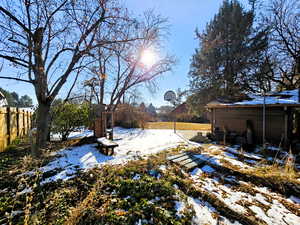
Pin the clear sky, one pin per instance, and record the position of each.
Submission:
(184, 17)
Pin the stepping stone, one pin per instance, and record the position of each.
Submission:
(187, 160)
(177, 156)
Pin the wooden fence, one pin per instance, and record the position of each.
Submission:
(14, 123)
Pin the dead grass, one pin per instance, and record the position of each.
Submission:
(179, 126)
(276, 172)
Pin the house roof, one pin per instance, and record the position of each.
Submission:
(3, 101)
(284, 98)
(182, 108)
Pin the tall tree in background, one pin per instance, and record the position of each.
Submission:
(49, 41)
(225, 63)
(13, 99)
(282, 60)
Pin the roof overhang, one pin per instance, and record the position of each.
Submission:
(252, 106)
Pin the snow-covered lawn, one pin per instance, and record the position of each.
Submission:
(245, 198)
(235, 192)
(132, 143)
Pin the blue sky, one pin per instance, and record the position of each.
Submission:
(184, 17)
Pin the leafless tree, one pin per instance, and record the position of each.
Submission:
(48, 41)
(283, 56)
(120, 68)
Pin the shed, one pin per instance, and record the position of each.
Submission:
(282, 120)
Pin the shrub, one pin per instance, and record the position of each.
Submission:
(128, 116)
(67, 117)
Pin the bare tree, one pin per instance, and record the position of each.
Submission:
(48, 41)
(283, 57)
(120, 68)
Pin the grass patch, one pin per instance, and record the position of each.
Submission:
(179, 126)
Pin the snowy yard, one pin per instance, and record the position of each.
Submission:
(239, 192)
(235, 192)
(225, 190)
(132, 143)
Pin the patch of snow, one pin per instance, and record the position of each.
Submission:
(278, 214)
(179, 206)
(149, 141)
(292, 98)
(208, 158)
(214, 147)
(207, 169)
(204, 213)
(248, 154)
(259, 197)
(261, 214)
(251, 161)
(136, 177)
(230, 155)
(273, 148)
(16, 212)
(4, 190)
(294, 199)
(196, 172)
(175, 186)
(156, 199)
(162, 167)
(237, 163)
(132, 143)
(79, 134)
(24, 191)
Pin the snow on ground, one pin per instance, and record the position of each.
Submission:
(271, 211)
(80, 133)
(142, 142)
(204, 213)
(132, 142)
(265, 205)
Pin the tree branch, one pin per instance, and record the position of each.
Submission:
(16, 20)
(17, 79)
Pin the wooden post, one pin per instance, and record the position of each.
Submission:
(25, 125)
(18, 122)
(8, 125)
(264, 121)
(285, 126)
(112, 125)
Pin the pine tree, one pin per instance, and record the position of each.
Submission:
(224, 64)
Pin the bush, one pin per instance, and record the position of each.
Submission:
(67, 117)
(128, 116)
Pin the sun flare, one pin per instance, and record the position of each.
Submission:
(148, 58)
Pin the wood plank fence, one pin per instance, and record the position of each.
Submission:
(14, 123)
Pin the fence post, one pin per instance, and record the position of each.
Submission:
(24, 124)
(18, 122)
(8, 125)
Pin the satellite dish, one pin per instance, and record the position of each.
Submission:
(170, 96)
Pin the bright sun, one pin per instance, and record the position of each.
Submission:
(148, 58)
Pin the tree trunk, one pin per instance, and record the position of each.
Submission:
(102, 83)
(43, 116)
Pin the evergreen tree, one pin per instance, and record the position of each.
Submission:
(226, 60)
(151, 110)
(8, 96)
(13, 99)
(25, 101)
